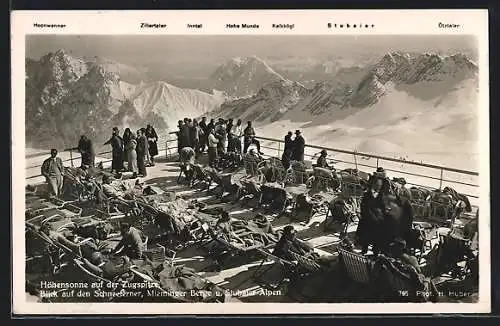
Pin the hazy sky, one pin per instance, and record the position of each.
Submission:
(171, 49)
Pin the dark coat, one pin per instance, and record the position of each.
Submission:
(86, 148)
(288, 150)
(298, 148)
(142, 146)
(116, 144)
(152, 145)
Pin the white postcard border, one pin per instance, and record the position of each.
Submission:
(309, 22)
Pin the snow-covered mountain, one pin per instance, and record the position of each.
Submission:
(129, 74)
(413, 104)
(271, 102)
(240, 77)
(423, 76)
(67, 97)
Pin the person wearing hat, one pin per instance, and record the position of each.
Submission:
(321, 162)
(299, 145)
(249, 138)
(288, 242)
(116, 143)
(287, 151)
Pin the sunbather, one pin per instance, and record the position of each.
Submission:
(106, 267)
(397, 250)
(68, 239)
(288, 242)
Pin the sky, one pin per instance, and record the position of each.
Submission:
(134, 49)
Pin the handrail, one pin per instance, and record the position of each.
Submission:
(432, 166)
(171, 150)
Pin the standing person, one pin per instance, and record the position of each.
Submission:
(194, 135)
(152, 143)
(204, 138)
(298, 147)
(371, 222)
(249, 138)
(132, 155)
(117, 147)
(235, 134)
(86, 149)
(186, 127)
(287, 151)
(53, 171)
(229, 125)
(178, 133)
(142, 149)
(234, 138)
(221, 134)
(210, 125)
(126, 138)
(212, 148)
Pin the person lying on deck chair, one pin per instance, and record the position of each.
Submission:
(397, 250)
(66, 238)
(131, 242)
(105, 267)
(224, 229)
(108, 189)
(288, 242)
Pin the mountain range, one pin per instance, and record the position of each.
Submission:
(68, 96)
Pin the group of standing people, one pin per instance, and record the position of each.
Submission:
(294, 148)
(138, 150)
(219, 137)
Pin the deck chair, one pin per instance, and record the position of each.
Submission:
(305, 207)
(357, 267)
(199, 175)
(253, 167)
(343, 210)
(351, 186)
(305, 265)
(297, 173)
(427, 233)
(250, 192)
(323, 180)
(285, 269)
(274, 197)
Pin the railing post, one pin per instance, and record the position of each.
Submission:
(441, 180)
(279, 148)
(71, 158)
(355, 160)
(377, 162)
